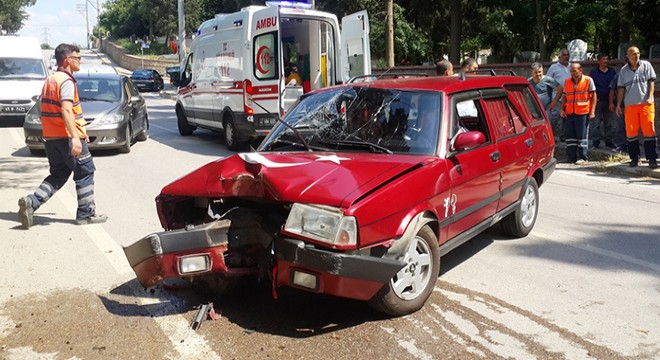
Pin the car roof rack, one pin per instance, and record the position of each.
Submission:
(372, 77)
(491, 72)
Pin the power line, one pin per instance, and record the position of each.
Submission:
(45, 34)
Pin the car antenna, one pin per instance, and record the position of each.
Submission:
(300, 137)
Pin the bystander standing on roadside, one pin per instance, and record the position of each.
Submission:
(560, 72)
(469, 64)
(444, 68)
(66, 142)
(635, 90)
(548, 90)
(602, 127)
(578, 106)
(619, 124)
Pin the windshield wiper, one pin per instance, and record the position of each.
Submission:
(280, 143)
(298, 135)
(363, 144)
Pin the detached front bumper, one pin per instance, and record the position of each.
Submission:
(168, 254)
(357, 277)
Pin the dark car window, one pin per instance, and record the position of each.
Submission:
(470, 117)
(131, 90)
(143, 73)
(90, 89)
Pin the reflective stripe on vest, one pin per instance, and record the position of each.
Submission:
(577, 97)
(52, 121)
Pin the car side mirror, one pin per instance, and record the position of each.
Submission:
(135, 99)
(468, 140)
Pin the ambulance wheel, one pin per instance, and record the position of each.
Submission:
(185, 129)
(230, 135)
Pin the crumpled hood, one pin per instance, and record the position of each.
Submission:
(334, 179)
(20, 89)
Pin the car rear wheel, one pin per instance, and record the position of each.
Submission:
(37, 151)
(185, 129)
(520, 222)
(144, 134)
(126, 148)
(409, 289)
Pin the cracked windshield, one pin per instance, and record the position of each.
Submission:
(360, 119)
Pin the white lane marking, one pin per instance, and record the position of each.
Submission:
(499, 343)
(602, 252)
(552, 341)
(28, 353)
(650, 184)
(409, 346)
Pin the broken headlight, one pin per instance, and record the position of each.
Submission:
(325, 224)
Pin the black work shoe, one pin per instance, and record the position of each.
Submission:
(633, 163)
(653, 164)
(94, 219)
(610, 145)
(25, 211)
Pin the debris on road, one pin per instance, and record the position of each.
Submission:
(205, 312)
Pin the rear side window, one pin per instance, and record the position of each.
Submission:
(265, 56)
(504, 119)
(526, 103)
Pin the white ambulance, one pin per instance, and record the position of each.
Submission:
(235, 77)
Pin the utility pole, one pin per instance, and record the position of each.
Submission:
(182, 34)
(45, 35)
(81, 8)
(98, 21)
(390, 33)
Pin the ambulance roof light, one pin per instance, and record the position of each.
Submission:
(304, 4)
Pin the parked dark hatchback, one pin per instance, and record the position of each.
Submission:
(115, 112)
(147, 80)
(361, 191)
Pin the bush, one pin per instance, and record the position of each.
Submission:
(154, 48)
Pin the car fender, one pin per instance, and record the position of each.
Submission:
(400, 245)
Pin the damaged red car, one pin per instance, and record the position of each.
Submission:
(360, 190)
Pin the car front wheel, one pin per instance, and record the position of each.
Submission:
(520, 222)
(126, 148)
(144, 134)
(409, 289)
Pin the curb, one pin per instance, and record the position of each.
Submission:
(611, 162)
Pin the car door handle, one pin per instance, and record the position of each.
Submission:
(529, 142)
(495, 156)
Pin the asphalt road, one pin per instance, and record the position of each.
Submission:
(584, 284)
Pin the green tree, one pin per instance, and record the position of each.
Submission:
(13, 15)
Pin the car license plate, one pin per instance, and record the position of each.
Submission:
(13, 109)
(267, 121)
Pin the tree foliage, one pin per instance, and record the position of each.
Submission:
(13, 15)
(422, 28)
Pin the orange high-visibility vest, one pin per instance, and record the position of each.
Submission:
(52, 121)
(578, 99)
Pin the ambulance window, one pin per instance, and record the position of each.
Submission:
(265, 56)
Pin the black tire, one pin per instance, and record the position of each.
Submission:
(144, 134)
(37, 151)
(399, 296)
(126, 148)
(520, 222)
(230, 136)
(185, 129)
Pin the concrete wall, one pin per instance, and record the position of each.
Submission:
(130, 62)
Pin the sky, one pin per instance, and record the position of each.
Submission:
(60, 21)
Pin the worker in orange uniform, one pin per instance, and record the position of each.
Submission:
(578, 105)
(66, 142)
(636, 82)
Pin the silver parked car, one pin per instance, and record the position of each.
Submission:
(115, 112)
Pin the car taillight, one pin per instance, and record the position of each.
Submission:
(247, 96)
(151, 79)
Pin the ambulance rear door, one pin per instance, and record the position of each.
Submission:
(266, 56)
(355, 49)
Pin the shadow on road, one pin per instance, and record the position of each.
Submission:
(251, 306)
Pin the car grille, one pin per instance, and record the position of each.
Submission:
(15, 102)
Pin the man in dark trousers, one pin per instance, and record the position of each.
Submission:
(578, 105)
(66, 142)
(602, 127)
